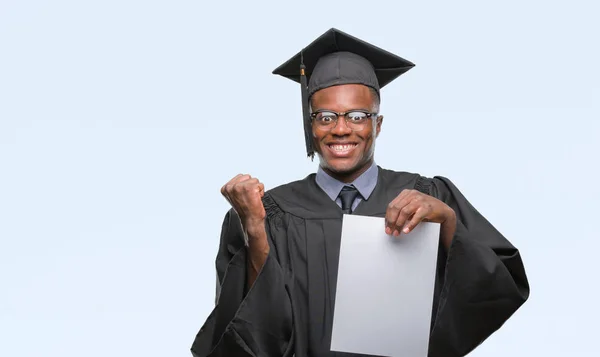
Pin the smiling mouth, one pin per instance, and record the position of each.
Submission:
(341, 149)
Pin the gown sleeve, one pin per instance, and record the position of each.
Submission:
(483, 280)
(248, 322)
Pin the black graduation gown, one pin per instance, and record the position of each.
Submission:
(288, 311)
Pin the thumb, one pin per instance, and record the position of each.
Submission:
(261, 189)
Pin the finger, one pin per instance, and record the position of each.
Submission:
(405, 215)
(235, 178)
(240, 178)
(236, 181)
(405, 193)
(410, 204)
(247, 184)
(225, 193)
(261, 189)
(228, 184)
(391, 213)
(417, 218)
(394, 209)
(227, 187)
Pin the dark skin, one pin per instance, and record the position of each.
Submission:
(403, 214)
(407, 210)
(341, 99)
(245, 193)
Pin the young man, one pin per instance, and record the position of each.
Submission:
(278, 255)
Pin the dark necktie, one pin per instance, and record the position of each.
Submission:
(348, 195)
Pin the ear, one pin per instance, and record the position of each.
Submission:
(378, 124)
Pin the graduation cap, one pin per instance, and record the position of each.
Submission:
(336, 58)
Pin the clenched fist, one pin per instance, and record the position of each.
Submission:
(245, 193)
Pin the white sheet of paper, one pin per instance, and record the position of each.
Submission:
(385, 286)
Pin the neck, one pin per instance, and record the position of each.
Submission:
(349, 176)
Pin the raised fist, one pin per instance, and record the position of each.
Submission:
(245, 193)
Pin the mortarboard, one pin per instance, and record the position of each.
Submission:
(336, 58)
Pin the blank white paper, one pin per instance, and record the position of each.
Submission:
(385, 286)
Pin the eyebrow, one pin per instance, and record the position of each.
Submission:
(346, 111)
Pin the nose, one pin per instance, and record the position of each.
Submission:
(341, 128)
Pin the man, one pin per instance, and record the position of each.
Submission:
(278, 256)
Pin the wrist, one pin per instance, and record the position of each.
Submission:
(448, 214)
(256, 235)
(254, 226)
(448, 228)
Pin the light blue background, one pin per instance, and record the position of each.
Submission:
(120, 121)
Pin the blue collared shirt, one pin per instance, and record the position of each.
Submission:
(365, 184)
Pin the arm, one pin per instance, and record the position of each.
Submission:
(483, 280)
(256, 323)
(258, 250)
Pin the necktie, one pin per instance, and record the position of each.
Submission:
(348, 195)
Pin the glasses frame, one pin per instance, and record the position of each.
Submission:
(370, 115)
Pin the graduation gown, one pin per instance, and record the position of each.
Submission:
(288, 311)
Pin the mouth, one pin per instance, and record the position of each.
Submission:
(341, 150)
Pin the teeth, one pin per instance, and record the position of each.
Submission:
(342, 147)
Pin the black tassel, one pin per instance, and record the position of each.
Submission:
(305, 110)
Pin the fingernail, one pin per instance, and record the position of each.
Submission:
(388, 231)
(406, 229)
(396, 233)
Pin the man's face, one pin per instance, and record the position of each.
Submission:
(342, 150)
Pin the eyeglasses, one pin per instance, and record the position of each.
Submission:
(355, 119)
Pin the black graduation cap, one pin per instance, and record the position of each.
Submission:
(336, 58)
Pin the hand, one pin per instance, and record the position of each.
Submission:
(245, 193)
(411, 207)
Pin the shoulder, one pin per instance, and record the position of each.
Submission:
(300, 198)
(433, 185)
(392, 178)
(292, 188)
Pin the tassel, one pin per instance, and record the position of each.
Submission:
(305, 110)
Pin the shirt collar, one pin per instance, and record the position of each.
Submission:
(365, 183)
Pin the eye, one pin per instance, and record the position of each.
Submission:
(357, 116)
(326, 117)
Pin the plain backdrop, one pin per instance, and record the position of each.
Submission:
(120, 121)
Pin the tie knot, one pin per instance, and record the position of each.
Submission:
(347, 196)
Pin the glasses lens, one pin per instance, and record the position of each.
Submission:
(325, 119)
(356, 120)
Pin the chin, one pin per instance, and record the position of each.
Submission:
(343, 167)
(340, 166)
